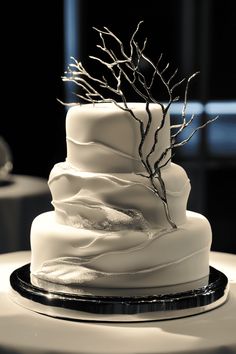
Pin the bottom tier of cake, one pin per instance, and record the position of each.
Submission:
(126, 259)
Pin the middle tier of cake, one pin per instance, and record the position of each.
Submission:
(117, 201)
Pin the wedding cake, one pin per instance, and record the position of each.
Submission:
(111, 227)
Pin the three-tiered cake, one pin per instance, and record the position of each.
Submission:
(109, 230)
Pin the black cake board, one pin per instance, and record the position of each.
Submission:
(87, 306)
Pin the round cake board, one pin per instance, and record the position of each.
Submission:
(118, 308)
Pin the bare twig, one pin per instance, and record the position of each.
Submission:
(125, 66)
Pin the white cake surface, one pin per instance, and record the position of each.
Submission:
(123, 259)
(116, 201)
(109, 229)
(104, 138)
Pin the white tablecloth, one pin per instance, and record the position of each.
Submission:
(20, 202)
(23, 331)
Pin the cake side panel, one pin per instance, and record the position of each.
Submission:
(83, 257)
(104, 138)
(116, 201)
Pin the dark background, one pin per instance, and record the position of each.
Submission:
(193, 34)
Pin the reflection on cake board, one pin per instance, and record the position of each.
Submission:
(123, 308)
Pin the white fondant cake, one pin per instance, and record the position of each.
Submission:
(109, 229)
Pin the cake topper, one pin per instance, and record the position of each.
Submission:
(125, 67)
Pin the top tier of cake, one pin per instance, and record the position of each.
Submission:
(104, 138)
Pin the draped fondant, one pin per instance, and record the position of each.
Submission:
(109, 229)
(104, 201)
(106, 139)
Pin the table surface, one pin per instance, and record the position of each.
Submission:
(20, 202)
(24, 331)
(22, 186)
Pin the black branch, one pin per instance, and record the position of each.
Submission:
(124, 66)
